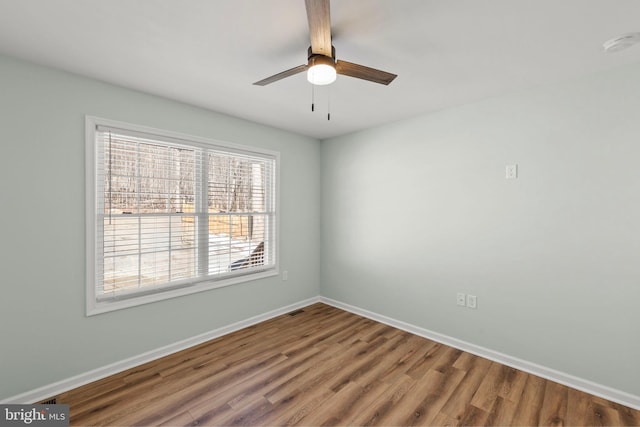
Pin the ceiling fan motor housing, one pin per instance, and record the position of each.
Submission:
(316, 58)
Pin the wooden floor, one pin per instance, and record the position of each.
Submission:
(325, 366)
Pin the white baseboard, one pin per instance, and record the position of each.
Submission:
(581, 384)
(56, 388)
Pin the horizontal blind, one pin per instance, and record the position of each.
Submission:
(173, 214)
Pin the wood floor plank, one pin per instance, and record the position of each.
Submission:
(103, 410)
(487, 393)
(528, 410)
(347, 403)
(296, 406)
(502, 412)
(262, 384)
(579, 408)
(431, 405)
(249, 416)
(604, 414)
(474, 416)
(513, 385)
(384, 404)
(445, 362)
(475, 371)
(413, 361)
(208, 387)
(325, 366)
(211, 416)
(424, 364)
(311, 377)
(424, 400)
(444, 420)
(181, 419)
(364, 370)
(628, 417)
(397, 352)
(554, 405)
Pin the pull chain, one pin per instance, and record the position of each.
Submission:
(313, 93)
(329, 103)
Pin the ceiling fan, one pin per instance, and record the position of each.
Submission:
(322, 66)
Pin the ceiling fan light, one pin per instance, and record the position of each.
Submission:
(321, 74)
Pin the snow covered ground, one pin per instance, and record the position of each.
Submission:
(166, 252)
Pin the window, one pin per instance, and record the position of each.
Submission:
(169, 214)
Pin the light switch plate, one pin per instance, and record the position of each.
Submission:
(472, 301)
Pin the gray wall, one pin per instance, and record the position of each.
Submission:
(44, 334)
(415, 211)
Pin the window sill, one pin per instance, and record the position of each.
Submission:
(94, 307)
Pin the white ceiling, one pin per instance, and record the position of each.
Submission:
(209, 52)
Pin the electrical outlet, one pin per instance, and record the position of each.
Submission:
(461, 299)
(285, 275)
(511, 172)
(472, 301)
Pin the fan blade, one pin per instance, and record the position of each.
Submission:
(282, 75)
(319, 18)
(365, 73)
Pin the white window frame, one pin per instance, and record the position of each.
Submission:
(93, 304)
